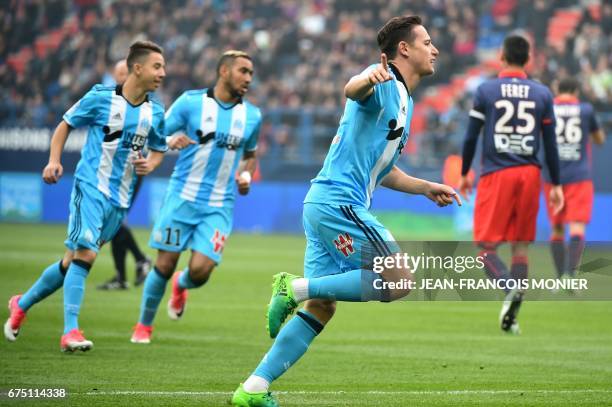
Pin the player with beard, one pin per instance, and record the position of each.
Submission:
(218, 136)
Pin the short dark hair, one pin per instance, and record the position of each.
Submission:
(395, 30)
(568, 85)
(516, 50)
(141, 49)
(229, 57)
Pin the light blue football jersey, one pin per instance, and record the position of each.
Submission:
(369, 140)
(205, 171)
(117, 133)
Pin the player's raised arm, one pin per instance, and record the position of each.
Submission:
(361, 86)
(54, 170)
(441, 194)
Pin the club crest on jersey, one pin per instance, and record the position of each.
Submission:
(218, 241)
(344, 244)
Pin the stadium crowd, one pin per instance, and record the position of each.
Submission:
(304, 51)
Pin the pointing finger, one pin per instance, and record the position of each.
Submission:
(457, 198)
(383, 61)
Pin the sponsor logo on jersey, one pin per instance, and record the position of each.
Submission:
(131, 140)
(222, 140)
(393, 132)
(514, 144)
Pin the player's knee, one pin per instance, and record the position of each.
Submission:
(200, 275)
(488, 246)
(328, 307)
(200, 268)
(397, 284)
(557, 236)
(67, 259)
(520, 249)
(86, 255)
(577, 229)
(165, 265)
(323, 310)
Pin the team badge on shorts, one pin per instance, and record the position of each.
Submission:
(344, 244)
(218, 241)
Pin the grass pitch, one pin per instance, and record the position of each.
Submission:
(401, 354)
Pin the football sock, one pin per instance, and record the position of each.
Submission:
(119, 251)
(494, 266)
(49, 281)
(290, 344)
(300, 289)
(185, 281)
(74, 290)
(256, 384)
(154, 288)
(354, 285)
(576, 248)
(557, 249)
(519, 268)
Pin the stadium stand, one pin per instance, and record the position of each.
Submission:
(52, 51)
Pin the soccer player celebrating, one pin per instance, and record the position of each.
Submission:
(514, 111)
(220, 136)
(576, 121)
(121, 121)
(338, 225)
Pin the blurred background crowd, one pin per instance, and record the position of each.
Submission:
(53, 51)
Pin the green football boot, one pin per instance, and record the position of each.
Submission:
(242, 398)
(282, 304)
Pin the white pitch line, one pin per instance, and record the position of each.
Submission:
(373, 392)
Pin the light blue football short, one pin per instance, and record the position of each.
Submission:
(340, 238)
(94, 220)
(184, 224)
